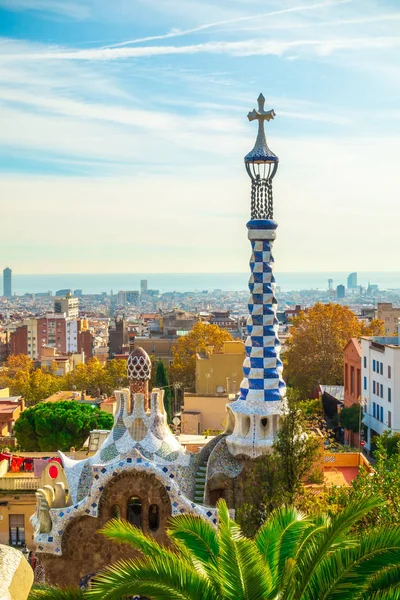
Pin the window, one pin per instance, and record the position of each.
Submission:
(374, 365)
(17, 530)
(154, 517)
(381, 369)
(365, 383)
(373, 409)
(365, 362)
(381, 390)
(389, 418)
(381, 414)
(346, 376)
(374, 387)
(352, 381)
(389, 394)
(134, 513)
(389, 372)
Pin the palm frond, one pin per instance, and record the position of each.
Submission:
(123, 532)
(383, 580)
(331, 537)
(54, 593)
(385, 595)
(278, 538)
(359, 570)
(159, 578)
(197, 536)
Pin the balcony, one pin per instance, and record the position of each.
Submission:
(19, 482)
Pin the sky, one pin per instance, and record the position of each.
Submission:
(123, 127)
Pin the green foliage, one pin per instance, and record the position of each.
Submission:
(45, 592)
(278, 478)
(58, 425)
(163, 383)
(351, 417)
(390, 442)
(383, 482)
(292, 557)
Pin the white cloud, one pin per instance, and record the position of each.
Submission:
(212, 25)
(252, 47)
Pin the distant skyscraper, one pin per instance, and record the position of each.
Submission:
(330, 284)
(352, 281)
(7, 289)
(143, 286)
(340, 291)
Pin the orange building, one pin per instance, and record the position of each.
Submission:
(352, 383)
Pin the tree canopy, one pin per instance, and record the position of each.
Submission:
(51, 426)
(95, 377)
(278, 478)
(350, 417)
(19, 374)
(314, 353)
(200, 338)
(36, 384)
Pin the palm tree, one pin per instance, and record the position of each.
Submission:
(292, 557)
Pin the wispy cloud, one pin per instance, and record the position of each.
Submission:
(250, 47)
(254, 17)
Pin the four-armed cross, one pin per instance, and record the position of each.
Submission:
(261, 114)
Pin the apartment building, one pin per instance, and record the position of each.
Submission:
(380, 382)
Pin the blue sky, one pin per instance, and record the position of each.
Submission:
(123, 129)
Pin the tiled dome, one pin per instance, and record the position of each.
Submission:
(139, 365)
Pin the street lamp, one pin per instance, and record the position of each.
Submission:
(177, 386)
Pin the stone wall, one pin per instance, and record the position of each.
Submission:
(84, 551)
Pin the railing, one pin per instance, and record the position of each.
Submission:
(346, 459)
(19, 483)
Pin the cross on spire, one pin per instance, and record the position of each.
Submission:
(261, 115)
(261, 152)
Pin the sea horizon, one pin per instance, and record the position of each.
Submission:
(96, 283)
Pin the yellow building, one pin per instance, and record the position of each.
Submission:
(204, 413)
(390, 317)
(220, 372)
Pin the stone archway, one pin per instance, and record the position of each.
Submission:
(85, 551)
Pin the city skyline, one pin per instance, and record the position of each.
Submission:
(122, 130)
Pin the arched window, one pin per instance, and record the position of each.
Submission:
(154, 517)
(134, 512)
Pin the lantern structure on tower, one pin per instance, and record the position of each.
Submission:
(255, 414)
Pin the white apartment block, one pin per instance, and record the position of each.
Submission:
(32, 345)
(71, 337)
(380, 385)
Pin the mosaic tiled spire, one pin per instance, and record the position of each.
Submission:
(255, 414)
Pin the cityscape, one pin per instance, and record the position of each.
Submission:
(200, 302)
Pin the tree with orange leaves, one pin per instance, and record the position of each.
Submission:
(201, 337)
(314, 350)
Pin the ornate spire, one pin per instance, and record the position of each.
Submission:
(256, 412)
(261, 165)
